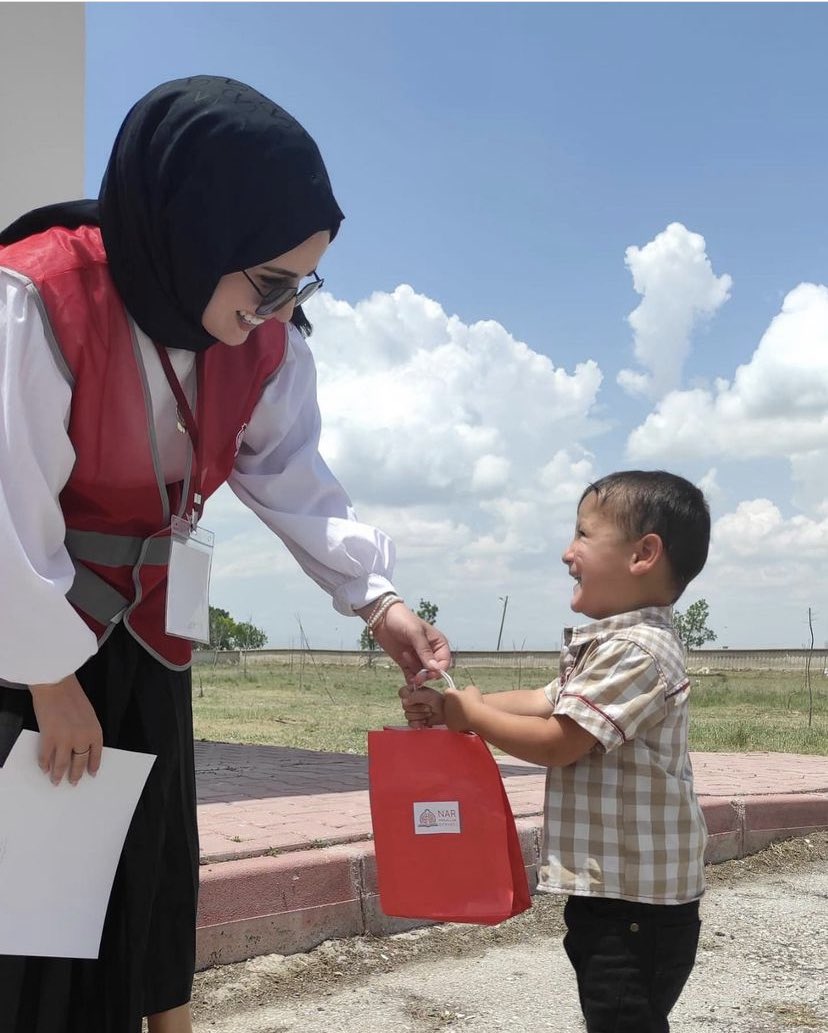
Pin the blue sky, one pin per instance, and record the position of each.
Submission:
(500, 159)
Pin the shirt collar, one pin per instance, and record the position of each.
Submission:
(574, 637)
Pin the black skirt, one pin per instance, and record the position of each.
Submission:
(147, 955)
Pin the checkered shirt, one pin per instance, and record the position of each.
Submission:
(624, 821)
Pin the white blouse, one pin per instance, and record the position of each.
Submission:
(278, 473)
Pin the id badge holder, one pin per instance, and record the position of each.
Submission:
(188, 581)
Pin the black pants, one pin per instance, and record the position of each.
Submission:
(631, 960)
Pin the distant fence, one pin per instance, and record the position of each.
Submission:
(354, 657)
(699, 660)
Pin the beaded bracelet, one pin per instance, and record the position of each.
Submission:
(380, 610)
(376, 606)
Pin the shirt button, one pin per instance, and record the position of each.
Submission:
(633, 927)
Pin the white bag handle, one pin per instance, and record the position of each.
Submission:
(447, 678)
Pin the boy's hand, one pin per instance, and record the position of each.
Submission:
(422, 706)
(459, 707)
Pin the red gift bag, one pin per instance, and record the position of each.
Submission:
(445, 838)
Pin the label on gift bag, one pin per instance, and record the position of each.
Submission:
(434, 817)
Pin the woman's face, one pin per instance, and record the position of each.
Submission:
(231, 311)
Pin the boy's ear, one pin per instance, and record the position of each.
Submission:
(647, 552)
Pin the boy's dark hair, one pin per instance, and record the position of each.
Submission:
(656, 502)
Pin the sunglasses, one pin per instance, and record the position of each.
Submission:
(277, 297)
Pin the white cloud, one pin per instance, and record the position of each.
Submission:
(756, 530)
(808, 474)
(709, 484)
(490, 473)
(776, 404)
(421, 407)
(764, 572)
(674, 276)
(765, 568)
(461, 442)
(472, 450)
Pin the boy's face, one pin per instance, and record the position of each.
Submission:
(599, 558)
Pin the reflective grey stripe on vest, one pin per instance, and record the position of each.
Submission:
(115, 550)
(95, 597)
(89, 592)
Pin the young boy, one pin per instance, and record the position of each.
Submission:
(624, 834)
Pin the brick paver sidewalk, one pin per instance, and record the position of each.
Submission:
(257, 799)
(287, 857)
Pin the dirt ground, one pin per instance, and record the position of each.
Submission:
(336, 966)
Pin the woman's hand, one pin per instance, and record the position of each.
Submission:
(71, 738)
(411, 642)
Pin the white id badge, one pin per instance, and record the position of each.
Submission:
(188, 581)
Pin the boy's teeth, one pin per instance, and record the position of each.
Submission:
(251, 320)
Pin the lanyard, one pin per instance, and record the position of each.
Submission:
(185, 415)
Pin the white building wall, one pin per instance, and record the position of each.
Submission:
(42, 58)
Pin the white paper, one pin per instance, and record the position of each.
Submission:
(59, 848)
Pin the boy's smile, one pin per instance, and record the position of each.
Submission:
(599, 558)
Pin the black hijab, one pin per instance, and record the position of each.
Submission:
(206, 177)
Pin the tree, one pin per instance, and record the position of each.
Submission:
(691, 625)
(226, 633)
(367, 642)
(428, 611)
(221, 628)
(248, 636)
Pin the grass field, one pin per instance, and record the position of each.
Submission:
(331, 708)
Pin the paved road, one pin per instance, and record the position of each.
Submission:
(762, 968)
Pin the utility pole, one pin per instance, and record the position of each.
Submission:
(505, 601)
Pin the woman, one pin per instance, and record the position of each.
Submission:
(151, 347)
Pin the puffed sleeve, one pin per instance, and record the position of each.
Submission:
(42, 638)
(280, 475)
(619, 693)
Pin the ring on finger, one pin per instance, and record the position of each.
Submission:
(81, 753)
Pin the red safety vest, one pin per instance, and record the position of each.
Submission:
(117, 513)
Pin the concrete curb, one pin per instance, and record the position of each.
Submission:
(291, 902)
